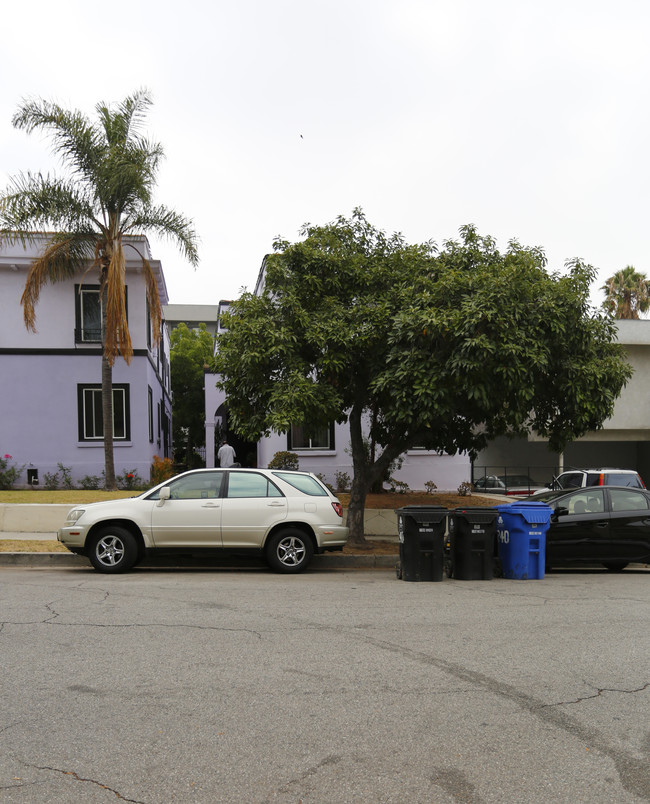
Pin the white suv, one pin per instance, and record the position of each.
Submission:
(579, 478)
(285, 516)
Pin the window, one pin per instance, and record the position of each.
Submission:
(150, 411)
(91, 424)
(588, 501)
(628, 500)
(306, 437)
(88, 314)
(251, 484)
(305, 483)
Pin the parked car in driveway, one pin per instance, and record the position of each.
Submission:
(510, 485)
(579, 478)
(284, 516)
(608, 525)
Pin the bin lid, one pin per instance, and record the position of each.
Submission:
(479, 515)
(532, 512)
(423, 513)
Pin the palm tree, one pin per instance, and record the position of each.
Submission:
(627, 293)
(106, 197)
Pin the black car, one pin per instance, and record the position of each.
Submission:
(609, 525)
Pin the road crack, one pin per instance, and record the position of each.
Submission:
(79, 778)
(597, 694)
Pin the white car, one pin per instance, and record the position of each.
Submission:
(285, 516)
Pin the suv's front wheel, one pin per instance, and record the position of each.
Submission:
(289, 550)
(113, 549)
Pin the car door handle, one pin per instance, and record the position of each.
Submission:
(602, 524)
(276, 505)
(210, 505)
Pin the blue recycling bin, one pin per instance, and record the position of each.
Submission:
(521, 536)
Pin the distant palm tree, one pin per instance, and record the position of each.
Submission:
(627, 293)
(106, 197)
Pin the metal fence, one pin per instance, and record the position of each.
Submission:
(506, 478)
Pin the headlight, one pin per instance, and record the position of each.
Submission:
(74, 515)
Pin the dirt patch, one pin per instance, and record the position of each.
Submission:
(392, 501)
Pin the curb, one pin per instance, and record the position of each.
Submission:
(319, 562)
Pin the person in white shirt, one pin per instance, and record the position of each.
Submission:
(226, 455)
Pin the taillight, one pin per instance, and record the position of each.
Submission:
(338, 508)
(601, 479)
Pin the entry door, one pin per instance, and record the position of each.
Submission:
(192, 515)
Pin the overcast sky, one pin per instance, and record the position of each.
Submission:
(527, 119)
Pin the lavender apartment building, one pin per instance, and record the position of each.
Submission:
(50, 380)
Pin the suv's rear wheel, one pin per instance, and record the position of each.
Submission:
(113, 549)
(289, 550)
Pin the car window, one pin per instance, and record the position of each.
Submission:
(305, 483)
(570, 480)
(196, 486)
(624, 500)
(589, 501)
(251, 484)
(626, 479)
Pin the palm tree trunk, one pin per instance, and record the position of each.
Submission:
(107, 408)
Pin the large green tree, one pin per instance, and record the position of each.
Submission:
(417, 348)
(105, 196)
(191, 356)
(627, 293)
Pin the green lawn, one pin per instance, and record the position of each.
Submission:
(62, 496)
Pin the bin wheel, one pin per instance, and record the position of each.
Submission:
(449, 568)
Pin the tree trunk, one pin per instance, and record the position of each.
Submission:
(356, 510)
(367, 472)
(107, 404)
(107, 414)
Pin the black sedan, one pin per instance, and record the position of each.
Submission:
(609, 525)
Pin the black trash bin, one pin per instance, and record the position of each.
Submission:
(421, 531)
(472, 535)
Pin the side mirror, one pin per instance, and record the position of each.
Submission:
(558, 512)
(165, 494)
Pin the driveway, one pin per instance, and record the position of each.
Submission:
(336, 686)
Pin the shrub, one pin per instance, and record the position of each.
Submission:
(284, 460)
(161, 469)
(8, 473)
(465, 489)
(430, 487)
(51, 480)
(398, 486)
(91, 482)
(129, 480)
(343, 481)
(66, 479)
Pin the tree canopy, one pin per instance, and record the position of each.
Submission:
(627, 293)
(417, 347)
(190, 357)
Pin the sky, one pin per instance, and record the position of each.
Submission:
(529, 120)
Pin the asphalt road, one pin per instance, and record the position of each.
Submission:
(332, 686)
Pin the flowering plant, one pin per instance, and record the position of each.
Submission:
(8, 474)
